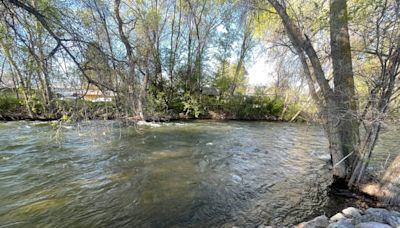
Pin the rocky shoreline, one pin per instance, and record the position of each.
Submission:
(356, 218)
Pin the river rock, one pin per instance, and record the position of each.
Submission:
(318, 222)
(389, 217)
(393, 219)
(395, 222)
(395, 213)
(377, 211)
(372, 225)
(355, 218)
(337, 217)
(351, 212)
(343, 223)
(369, 218)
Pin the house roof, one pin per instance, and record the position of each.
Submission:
(211, 91)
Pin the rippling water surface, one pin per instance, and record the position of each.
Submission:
(192, 174)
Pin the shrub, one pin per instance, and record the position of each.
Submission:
(10, 104)
(276, 107)
(192, 105)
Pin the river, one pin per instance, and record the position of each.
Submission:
(181, 174)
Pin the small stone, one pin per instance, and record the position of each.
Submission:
(318, 222)
(351, 212)
(337, 217)
(343, 223)
(372, 225)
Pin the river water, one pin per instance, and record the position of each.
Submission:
(189, 174)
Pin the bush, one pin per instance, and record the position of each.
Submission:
(240, 106)
(156, 103)
(82, 109)
(9, 104)
(192, 105)
(277, 106)
(258, 107)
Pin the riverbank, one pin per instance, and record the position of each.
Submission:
(101, 115)
(353, 217)
(182, 107)
(14, 109)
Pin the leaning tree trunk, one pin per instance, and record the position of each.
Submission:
(364, 155)
(328, 101)
(391, 183)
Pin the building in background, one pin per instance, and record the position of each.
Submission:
(93, 95)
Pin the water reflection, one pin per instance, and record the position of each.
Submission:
(196, 174)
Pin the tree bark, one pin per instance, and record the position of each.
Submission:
(344, 90)
(243, 51)
(314, 73)
(20, 79)
(135, 97)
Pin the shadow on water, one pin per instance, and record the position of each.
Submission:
(196, 174)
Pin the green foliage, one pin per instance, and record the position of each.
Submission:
(176, 104)
(69, 110)
(268, 21)
(276, 107)
(257, 107)
(226, 78)
(156, 103)
(9, 104)
(191, 105)
(35, 103)
(223, 83)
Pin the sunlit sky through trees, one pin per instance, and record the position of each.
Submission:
(260, 71)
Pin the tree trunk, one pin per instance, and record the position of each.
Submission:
(364, 155)
(344, 90)
(142, 96)
(243, 52)
(20, 79)
(332, 131)
(134, 97)
(43, 65)
(188, 75)
(329, 106)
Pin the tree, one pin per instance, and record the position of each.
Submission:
(245, 48)
(338, 104)
(140, 48)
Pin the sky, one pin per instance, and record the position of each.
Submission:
(260, 72)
